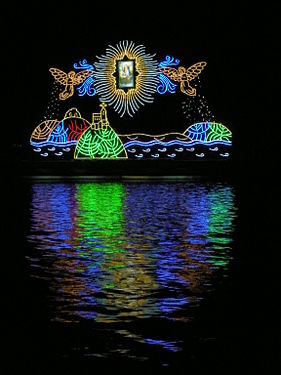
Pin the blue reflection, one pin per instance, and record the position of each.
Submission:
(51, 209)
(169, 345)
(179, 224)
(116, 252)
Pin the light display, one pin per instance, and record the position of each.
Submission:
(57, 138)
(42, 131)
(96, 139)
(184, 76)
(100, 140)
(69, 80)
(87, 87)
(83, 65)
(187, 145)
(126, 78)
(144, 73)
(209, 131)
(165, 83)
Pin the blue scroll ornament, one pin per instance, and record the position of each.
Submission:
(83, 65)
(87, 87)
(169, 61)
(165, 83)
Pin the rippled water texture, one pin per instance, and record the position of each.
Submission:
(117, 255)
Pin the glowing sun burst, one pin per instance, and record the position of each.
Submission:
(142, 77)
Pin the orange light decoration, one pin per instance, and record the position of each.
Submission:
(43, 130)
(184, 76)
(69, 80)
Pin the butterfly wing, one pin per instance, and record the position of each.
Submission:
(171, 73)
(194, 70)
(81, 76)
(59, 75)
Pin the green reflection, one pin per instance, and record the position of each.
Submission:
(100, 227)
(102, 240)
(221, 224)
(101, 214)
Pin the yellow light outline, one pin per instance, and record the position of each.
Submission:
(146, 79)
(184, 76)
(46, 130)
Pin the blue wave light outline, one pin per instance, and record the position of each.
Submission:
(172, 143)
(83, 64)
(87, 87)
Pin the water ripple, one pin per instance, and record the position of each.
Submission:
(117, 252)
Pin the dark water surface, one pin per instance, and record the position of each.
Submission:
(132, 276)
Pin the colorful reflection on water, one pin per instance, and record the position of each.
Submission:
(117, 252)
